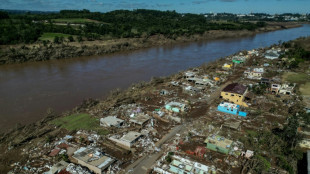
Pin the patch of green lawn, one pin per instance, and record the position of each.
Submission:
(80, 121)
(74, 20)
(305, 89)
(51, 36)
(299, 78)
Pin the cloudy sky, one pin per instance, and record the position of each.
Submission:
(183, 6)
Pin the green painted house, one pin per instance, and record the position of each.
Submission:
(238, 59)
(218, 144)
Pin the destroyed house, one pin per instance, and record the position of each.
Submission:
(92, 159)
(275, 88)
(181, 165)
(139, 119)
(286, 89)
(235, 93)
(127, 140)
(189, 74)
(176, 107)
(191, 89)
(57, 167)
(255, 73)
(231, 109)
(203, 82)
(272, 54)
(111, 121)
(265, 81)
(227, 66)
(238, 59)
(219, 144)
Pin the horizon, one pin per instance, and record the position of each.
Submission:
(180, 6)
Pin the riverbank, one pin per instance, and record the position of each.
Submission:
(27, 148)
(11, 54)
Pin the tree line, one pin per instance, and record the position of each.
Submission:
(27, 28)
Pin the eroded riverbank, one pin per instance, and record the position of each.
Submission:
(39, 52)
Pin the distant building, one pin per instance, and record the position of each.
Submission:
(235, 93)
(227, 66)
(254, 73)
(219, 144)
(275, 88)
(238, 59)
(189, 74)
(272, 54)
(93, 159)
(286, 89)
(282, 89)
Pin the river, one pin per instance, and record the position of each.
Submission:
(28, 90)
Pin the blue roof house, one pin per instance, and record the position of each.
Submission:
(231, 108)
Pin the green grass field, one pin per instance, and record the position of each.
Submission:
(299, 78)
(80, 121)
(74, 20)
(305, 89)
(51, 36)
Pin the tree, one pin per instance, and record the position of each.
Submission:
(4, 15)
(56, 40)
(70, 38)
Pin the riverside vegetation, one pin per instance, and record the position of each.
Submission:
(73, 33)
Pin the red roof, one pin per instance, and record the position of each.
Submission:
(63, 146)
(54, 152)
(235, 88)
(64, 171)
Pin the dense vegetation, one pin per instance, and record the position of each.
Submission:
(27, 28)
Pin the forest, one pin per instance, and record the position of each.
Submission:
(83, 24)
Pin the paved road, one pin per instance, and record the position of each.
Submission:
(146, 162)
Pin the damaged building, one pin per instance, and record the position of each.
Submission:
(181, 165)
(231, 108)
(219, 144)
(127, 140)
(254, 73)
(176, 107)
(93, 159)
(235, 93)
(111, 121)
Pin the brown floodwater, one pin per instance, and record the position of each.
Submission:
(28, 90)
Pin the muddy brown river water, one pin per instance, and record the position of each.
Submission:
(28, 90)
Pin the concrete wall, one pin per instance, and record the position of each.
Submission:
(234, 98)
(92, 168)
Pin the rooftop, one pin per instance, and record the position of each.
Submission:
(130, 136)
(93, 157)
(235, 88)
(228, 105)
(139, 119)
(219, 141)
(111, 120)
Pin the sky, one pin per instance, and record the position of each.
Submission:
(182, 6)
